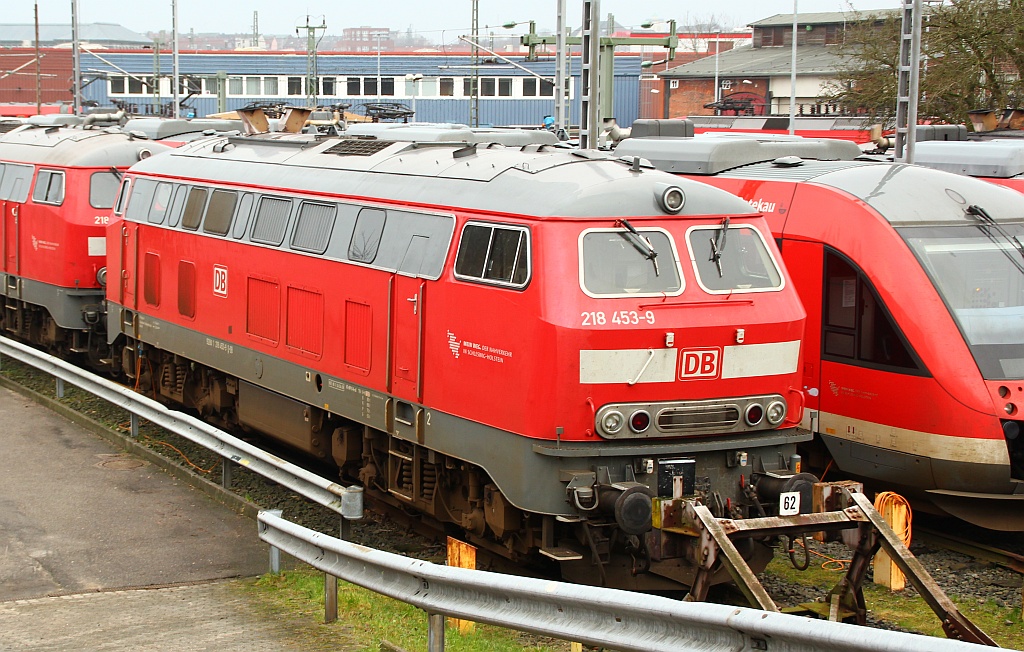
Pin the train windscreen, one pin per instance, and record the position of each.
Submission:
(979, 271)
(629, 262)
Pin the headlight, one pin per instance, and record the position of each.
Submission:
(776, 412)
(670, 198)
(753, 414)
(612, 421)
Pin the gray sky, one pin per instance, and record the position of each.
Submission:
(277, 17)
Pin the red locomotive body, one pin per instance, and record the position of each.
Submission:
(913, 280)
(527, 343)
(57, 186)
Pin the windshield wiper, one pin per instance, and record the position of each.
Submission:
(979, 212)
(117, 173)
(640, 243)
(718, 246)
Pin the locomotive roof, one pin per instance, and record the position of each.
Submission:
(999, 158)
(536, 180)
(712, 154)
(74, 147)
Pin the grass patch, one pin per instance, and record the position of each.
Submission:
(909, 612)
(366, 618)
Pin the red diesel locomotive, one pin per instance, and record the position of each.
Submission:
(527, 343)
(57, 187)
(913, 280)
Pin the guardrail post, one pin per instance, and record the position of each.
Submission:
(351, 510)
(275, 553)
(227, 466)
(435, 632)
(60, 388)
(135, 425)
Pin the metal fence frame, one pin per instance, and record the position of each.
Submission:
(611, 618)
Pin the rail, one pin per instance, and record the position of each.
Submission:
(610, 618)
(310, 485)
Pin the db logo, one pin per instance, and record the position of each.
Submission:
(220, 280)
(700, 363)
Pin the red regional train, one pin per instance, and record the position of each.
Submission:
(913, 280)
(527, 343)
(57, 187)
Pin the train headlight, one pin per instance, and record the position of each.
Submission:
(670, 198)
(753, 414)
(776, 412)
(612, 421)
(640, 421)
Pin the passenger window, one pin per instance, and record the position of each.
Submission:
(15, 182)
(856, 325)
(366, 235)
(242, 219)
(103, 189)
(219, 212)
(177, 205)
(49, 188)
(140, 200)
(122, 197)
(494, 254)
(161, 202)
(194, 208)
(313, 227)
(271, 221)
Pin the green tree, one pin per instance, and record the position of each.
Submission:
(972, 52)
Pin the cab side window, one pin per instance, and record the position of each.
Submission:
(857, 327)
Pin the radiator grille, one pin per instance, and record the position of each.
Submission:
(701, 417)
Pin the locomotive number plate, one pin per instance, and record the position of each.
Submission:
(789, 503)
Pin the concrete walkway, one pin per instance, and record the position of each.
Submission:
(101, 550)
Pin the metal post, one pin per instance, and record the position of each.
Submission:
(474, 101)
(435, 632)
(275, 553)
(76, 58)
(222, 91)
(39, 75)
(561, 57)
(60, 388)
(718, 47)
(330, 598)
(175, 73)
(591, 46)
(792, 77)
(134, 420)
(227, 467)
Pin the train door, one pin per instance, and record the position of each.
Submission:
(408, 306)
(804, 261)
(129, 263)
(14, 190)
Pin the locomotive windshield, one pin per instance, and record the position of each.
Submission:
(732, 259)
(979, 272)
(620, 262)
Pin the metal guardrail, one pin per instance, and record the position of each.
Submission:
(595, 616)
(310, 485)
(610, 618)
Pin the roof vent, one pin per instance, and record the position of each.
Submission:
(788, 161)
(360, 147)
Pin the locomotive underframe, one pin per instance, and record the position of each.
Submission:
(518, 497)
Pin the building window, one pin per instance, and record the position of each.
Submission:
(833, 35)
(135, 85)
(270, 85)
(252, 86)
(295, 86)
(117, 85)
(234, 85)
(773, 36)
(387, 85)
(487, 85)
(467, 87)
(505, 87)
(327, 86)
(370, 86)
(354, 86)
(447, 87)
(530, 86)
(547, 88)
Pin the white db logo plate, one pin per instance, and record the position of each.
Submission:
(789, 503)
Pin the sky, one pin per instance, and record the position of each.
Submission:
(449, 16)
